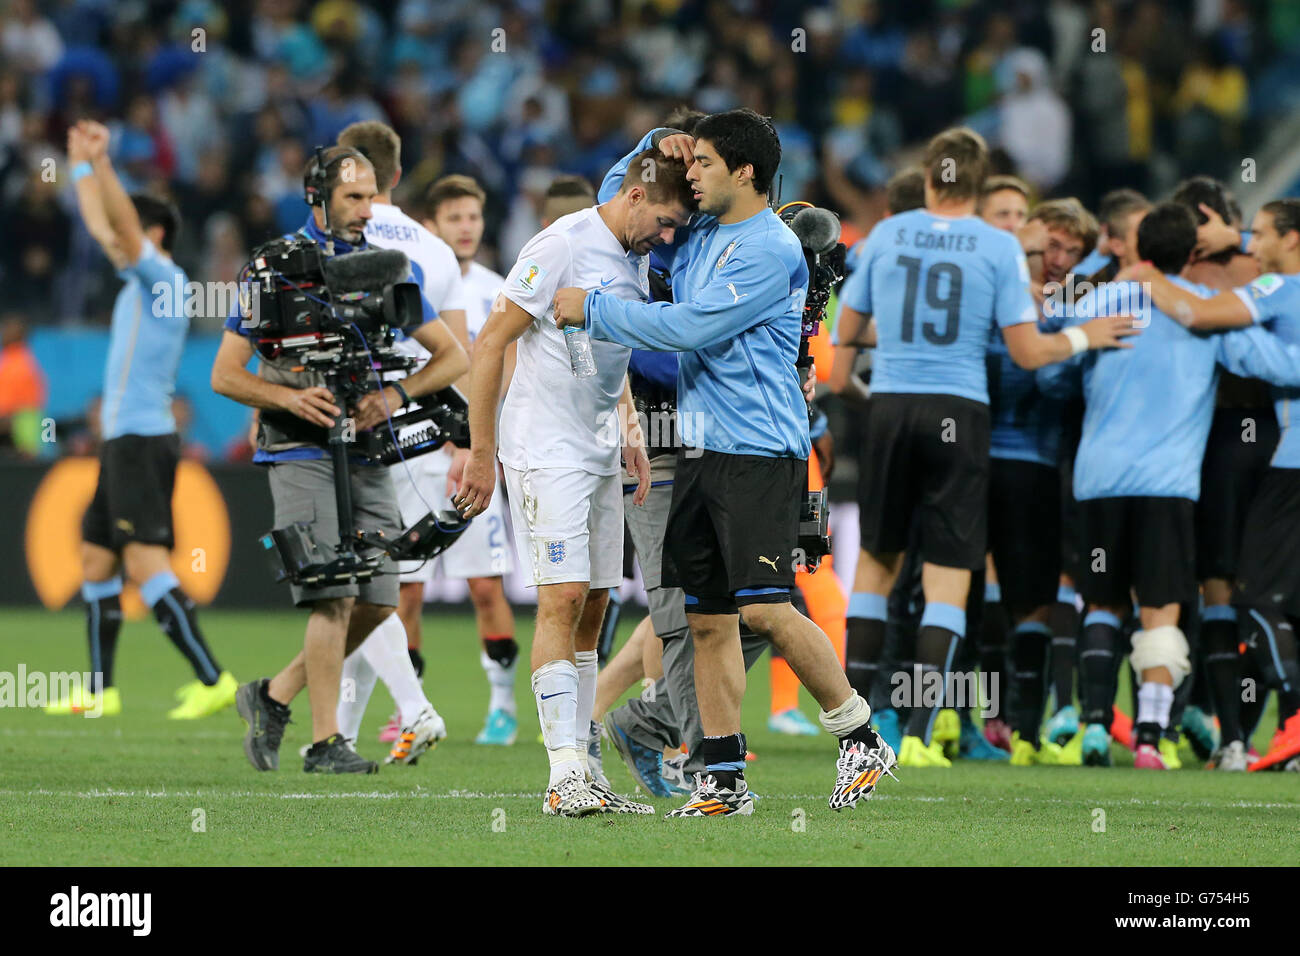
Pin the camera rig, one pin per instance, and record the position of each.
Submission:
(818, 231)
(340, 317)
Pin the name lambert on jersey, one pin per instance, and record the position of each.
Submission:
(921, 239)
(395, 231)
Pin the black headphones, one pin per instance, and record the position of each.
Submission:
(314, 182)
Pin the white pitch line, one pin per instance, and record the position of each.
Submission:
(117, 733)
(502, 795)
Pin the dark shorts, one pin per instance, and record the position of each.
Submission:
(733, 527)
(1025, 531)
(1268, 574)
(1141, 544)
(1231, 473)
(133, 499)
(926, 456)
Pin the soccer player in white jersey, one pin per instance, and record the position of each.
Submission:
(560, 448)
(419, 482)
(481, 556)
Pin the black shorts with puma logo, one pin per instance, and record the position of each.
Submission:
(733, 529)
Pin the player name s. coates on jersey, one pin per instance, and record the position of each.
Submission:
(952, 242)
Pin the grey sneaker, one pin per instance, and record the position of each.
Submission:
(266, 723)
(333, 755)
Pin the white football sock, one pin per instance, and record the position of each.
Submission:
(385, 650)
(588, 672)
(354, 697)
(501, 681)
(1154, 703)
(555, 686)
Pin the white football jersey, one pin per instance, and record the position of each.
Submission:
(433, 264)
(552, 418)
(481, 288)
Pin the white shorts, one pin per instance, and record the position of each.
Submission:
(568, 525)
(482, 551)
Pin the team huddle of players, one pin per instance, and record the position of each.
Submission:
(1141, 501)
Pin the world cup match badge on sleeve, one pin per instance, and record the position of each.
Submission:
(531, 275)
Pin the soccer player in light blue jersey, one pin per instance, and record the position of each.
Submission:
(740, 279)
(1137, 473)
(851, 334)
(128, 526)
(1267, 590)
(937, 282)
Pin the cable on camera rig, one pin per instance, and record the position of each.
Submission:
(818, 231)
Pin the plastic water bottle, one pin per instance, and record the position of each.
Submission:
(581, 360)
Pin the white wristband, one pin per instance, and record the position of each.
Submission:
(1078, 339)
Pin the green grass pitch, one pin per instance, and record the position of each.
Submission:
(125, 790)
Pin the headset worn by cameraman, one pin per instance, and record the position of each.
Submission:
(336, 318)
(818, 231)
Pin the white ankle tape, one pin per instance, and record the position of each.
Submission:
(850, 715)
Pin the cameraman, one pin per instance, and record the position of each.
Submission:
(740, 284)
(302, 481)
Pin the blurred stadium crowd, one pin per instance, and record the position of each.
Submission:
(219, 104)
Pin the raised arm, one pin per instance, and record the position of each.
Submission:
(122, 217)
(90, 201)
(677, 140)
